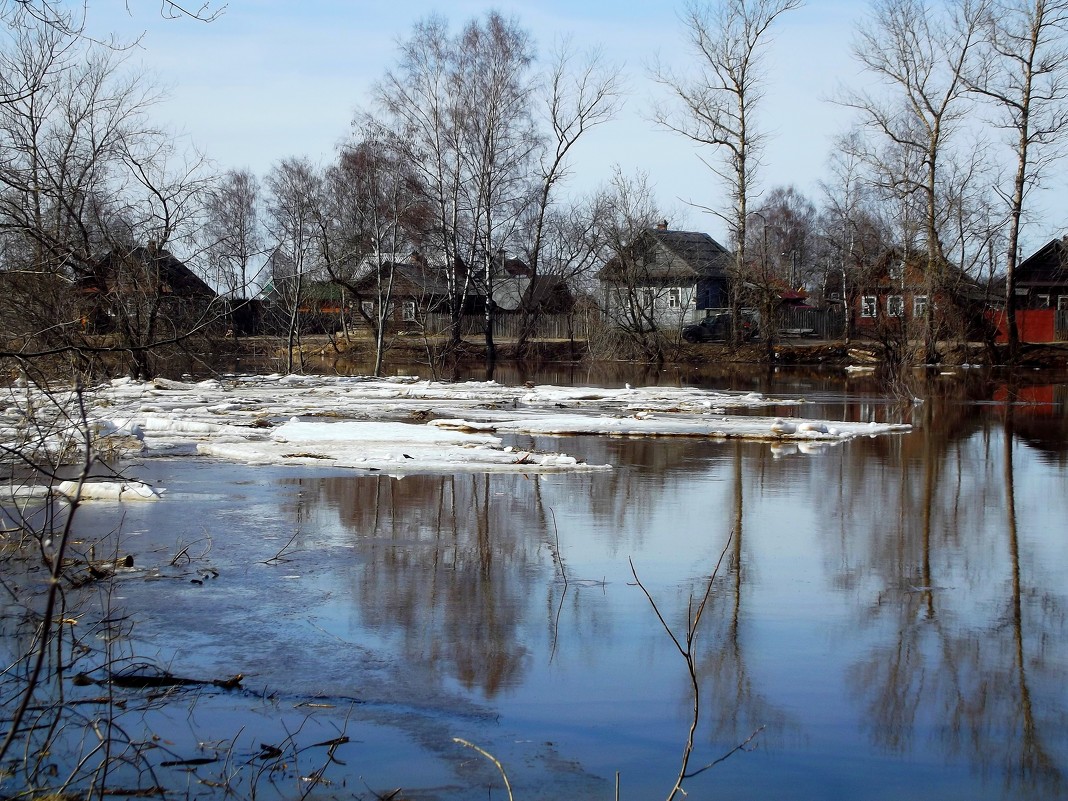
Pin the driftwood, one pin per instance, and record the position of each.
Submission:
(144, 681)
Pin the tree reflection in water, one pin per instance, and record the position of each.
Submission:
(449, 562)
(908, 588)
(951, 662)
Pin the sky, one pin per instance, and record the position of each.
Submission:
(270, 79)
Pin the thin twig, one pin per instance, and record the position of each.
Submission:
(693, 619)
(492, 759)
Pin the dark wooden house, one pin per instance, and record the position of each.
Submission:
(140, 282)
(1042, 278)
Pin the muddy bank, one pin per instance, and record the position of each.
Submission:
(792, 352)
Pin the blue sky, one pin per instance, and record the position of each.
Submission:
(276, 78)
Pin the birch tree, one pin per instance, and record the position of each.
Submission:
(375, 217)
(498, 140)
(88, 189)
(234, 246)
(293, 187)
(714, 104)
(920, 55)
(582, 93)
(1024, 74)
(420, 103)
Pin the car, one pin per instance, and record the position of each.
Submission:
(717, 328)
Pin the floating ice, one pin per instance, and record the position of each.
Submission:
(397, 426)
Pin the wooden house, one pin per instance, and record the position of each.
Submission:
(418, 291)
(518, 290)
(138, 282)
(1042, 278)
(896, 292)
(668, 277)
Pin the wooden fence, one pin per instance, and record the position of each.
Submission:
(506, 327)
(828, 323)
(1034, 325)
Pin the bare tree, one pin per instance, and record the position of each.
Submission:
(577, 98)
(463, 109)
(420, 102)
(293, 187)
(375, 218)
(632, 284)
(234, 240)
(1024, 72)
(921, 55)
(853, 234)
(716, 107)
(88, 190)
(497, 140)
(784, 248)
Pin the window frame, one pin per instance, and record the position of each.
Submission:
(919, 306)
(869, 306)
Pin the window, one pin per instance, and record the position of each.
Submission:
(868, 305)
(367, 307)
(896, 270)
(895, 306)
(409, 311)
(1043, 301)
(919, 306)
(1062, 302)
(648, 298)
(674, 298)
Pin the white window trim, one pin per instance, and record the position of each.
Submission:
(869, 304)
(919, 305)
(895, 306)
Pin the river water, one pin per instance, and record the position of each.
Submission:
(887, 619)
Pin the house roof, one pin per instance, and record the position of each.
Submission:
(538, 291)
(703, 254)
(662, 253)
(410, 279)
(1047, 266)
(174, 277)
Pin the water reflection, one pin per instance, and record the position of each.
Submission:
(447, 565)
(737, 704)
(889, 608)
(931, 580)
(963, 648)
(950, 624)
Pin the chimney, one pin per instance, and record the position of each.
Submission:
(662, 225)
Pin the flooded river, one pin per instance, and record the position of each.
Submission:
(888, 618)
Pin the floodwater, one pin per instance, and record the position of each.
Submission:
(888, 618)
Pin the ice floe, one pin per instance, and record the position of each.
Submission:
(395, 425)
(109, 490)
